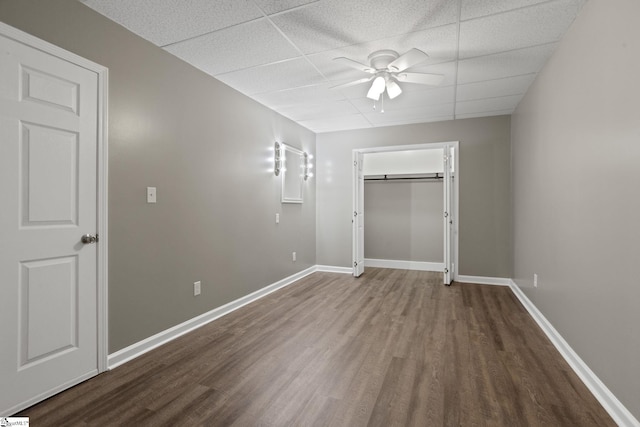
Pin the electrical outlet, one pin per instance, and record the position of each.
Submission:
(196, 288)
(293, 257)
(535, 280)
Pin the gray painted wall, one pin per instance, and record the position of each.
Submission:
(576, 175)
(485, 198)
(206, 148)
(403, 220)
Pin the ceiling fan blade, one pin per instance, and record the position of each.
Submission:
(355, 64)
(409, 59)
(421, 78)
(356, 82)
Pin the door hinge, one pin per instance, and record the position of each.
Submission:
(355, 263)
(446, 270)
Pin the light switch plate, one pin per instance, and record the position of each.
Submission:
(151, 194)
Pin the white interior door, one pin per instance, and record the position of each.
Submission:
(358, 214)
(48, 189)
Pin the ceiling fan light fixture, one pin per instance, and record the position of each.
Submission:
(373, 95)
(393, 89)
(377, 87)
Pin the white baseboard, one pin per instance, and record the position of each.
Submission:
(404, 265)
(482, 280)
(141, 347)
(333, 269)
(611, 404)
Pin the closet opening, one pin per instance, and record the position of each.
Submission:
(405, 205)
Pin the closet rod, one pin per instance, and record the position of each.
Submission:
(386, 178)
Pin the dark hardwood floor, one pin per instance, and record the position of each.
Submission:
(392, 348)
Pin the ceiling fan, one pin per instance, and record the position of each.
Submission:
(387, 68)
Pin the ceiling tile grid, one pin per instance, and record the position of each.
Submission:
(267, 78)
(331, 24)
(281, 52)
(163, 22)
(516, 85)
(532, 26)
(235, 48)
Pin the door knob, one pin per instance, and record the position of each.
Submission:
(89, 238)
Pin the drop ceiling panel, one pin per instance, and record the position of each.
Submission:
(268, 78)
(356, 121)
(502, 103)
(281, 52)
(516, 29)
(168, 21)
(409, 115)
(485, 114)
(312, 94)
(426, 119)
(475, 8)
(271, 6)
(517, 85)
(302, 112)
(506, 64)
(330, 24)
(242, 46)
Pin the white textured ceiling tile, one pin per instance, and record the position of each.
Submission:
(484, 114)
(302, 112)
(409, 121)
(504, 43)
(439, 43)
(168, 21)
(241, 46)
(507, 64)
(517, 85)
(330, 24)
(501, 103)
(276, 6)
(393, 115)
(476, 8)
(356, 121)
(313, 94)
(516, 29)
(271, 77)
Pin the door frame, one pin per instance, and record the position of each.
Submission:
(449, 189)
(101, 170)
(357, 220)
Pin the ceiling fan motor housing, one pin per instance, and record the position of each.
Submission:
(381, 59)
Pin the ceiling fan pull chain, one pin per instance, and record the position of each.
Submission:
(382, 104)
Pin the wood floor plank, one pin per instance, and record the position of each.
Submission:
(394, 347)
